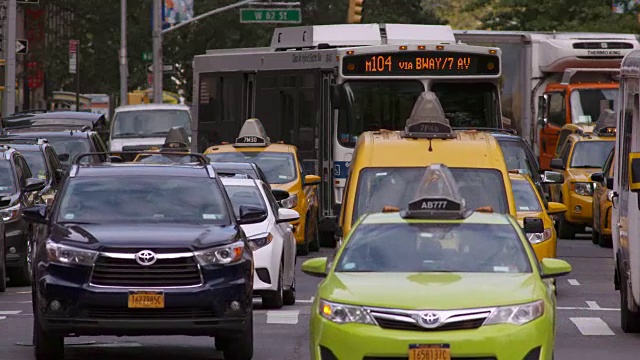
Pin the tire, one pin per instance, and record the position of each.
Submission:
(21, 276)
(303, 249)
(629, 321)
(289, 296)
(605, 241)
(565, 229)
(46, 346)
(275, 299)
(240, 347)
(314, 242)
(595, 237)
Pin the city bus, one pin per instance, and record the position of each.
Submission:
(320, 87)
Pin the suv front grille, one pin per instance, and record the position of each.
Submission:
(121, 313)
(175, 272)
(402, 325)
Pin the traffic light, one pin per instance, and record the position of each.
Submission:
(355, 11)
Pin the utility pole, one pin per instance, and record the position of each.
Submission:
(124, 67)
(157, 51)
(9, 31)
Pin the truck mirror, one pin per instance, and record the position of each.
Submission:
(542, 110)
(634, 172)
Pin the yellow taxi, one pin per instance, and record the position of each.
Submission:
(529, 204)
(387, 166)
(583, 154)
(601, 228)
(282, 166)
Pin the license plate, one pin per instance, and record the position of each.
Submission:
(146, 300)
(430, 352)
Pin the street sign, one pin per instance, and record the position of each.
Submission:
(165, 68)
(28, 1)
(147, 56)
(271, 16)
(22, 46)
(73, 55)
(150, 79)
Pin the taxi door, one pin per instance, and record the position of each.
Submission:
(554, 120)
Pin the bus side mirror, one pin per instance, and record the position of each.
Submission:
(542, 110)
(634, 172)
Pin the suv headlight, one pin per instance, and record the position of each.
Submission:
(10, 213)
(290, 202)
(583, 188)
(221, 255)
(259, 241)
(344, 314)
(64, 254)
(516, 314)
(536, 238)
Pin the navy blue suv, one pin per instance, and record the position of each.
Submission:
(134, 249)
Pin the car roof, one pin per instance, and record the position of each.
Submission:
(239, 182)
(475, 218)
(71, 115)
(273, 147)
(27, 147)
(507, 137)
(233, 165)
(590, 137)
(140, 169)
(53, 132)
(140, 107)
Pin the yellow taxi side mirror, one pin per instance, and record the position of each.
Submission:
(311, 180)
(554, 208)
(634, 172)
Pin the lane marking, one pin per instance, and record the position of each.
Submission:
(283, 317)
(2, 317)
(585, 308)
(306, 301)
(592, 326)
(16, 312)
(593, 304)
(15, 302)
(573, 282)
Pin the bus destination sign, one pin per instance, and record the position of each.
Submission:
(421, 63)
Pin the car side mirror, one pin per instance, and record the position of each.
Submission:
(34, 184)
(115, 159)
(609, 183)
(557, 164)
(552, 177)
(597, 177)
(251, 215)
(554, 208)
(36, 214)
(311, 180)
(63, 157)
(542, 110)
(315, 267)
(552, 268)
(533, 225)
(634, 172)
(287, 215)
(280, 194)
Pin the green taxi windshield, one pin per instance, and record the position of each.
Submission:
(397, 187)
(431, 247)
(525, 196)
(279, 168)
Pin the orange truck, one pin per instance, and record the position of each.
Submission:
(553, 79)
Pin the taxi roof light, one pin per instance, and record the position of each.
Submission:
(427, 119)
(437, 197)
(606, 123)
(252, 134)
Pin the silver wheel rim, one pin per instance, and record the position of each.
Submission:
(29, 259)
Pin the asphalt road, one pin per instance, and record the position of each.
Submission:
(588, 322)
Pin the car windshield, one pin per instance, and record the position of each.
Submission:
(157, 199)
(7, 180)
(516, 157)
(72, 147)
(434, 247)
(149, 123)
(588, 104)
(279, 168)
(245, 195)
(378, 188)
(525, 196)
(35, 160)
(590, 154)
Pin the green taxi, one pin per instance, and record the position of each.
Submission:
(435, 281)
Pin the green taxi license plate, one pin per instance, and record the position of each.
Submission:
(430, 352)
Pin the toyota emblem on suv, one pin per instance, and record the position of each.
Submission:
(429, 320)
(146, 257)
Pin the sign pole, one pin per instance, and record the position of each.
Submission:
(78, 78)
(9, 98)
(157, 51)
(124, 68)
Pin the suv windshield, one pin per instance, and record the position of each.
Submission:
(245, 195)
(158, 200)
(149, 123)
(35, 160)
(71, 146)
(525, 196)
(378, 188)
(590, 154)
(431, 247)
(279, 168)
(7, 181)
(588, 104)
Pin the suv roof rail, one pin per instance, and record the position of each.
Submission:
(201, 159)
(22, 140)
(32, 111)
(493, 130)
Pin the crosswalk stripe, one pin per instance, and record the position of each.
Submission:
(2, 317)
(15, 312)
(592, 326)
(283, 317)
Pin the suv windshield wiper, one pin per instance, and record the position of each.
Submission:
(587, 167)
(75, 223)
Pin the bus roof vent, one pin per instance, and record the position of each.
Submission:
(402, 34)
(427, 119)
(252, 134)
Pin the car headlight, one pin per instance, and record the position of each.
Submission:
(258, 241)
(65, 254)
(583, 188)
(516, 314)
(344, 314)
(536, 238)
(221, 255)
(10, 213)
(290, 202)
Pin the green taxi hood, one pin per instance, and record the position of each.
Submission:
(437, 291)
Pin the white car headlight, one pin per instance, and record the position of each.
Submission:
(516, 314)
(10, 213)
(536, 238)
(258, 241)
(64, 254)
(344, 314)
(221, 255)
(583, 188)
(290, 202)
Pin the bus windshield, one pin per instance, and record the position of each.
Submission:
(373, 105)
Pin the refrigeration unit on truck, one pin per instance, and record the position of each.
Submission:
(552, 79)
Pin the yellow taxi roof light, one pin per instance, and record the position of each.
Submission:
(252, 134)
(606, 123)
(427, 119)
(437, 196)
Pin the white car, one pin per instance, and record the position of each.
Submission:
(272, 242)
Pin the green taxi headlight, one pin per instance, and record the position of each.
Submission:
(344, 314)
(516, 314)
